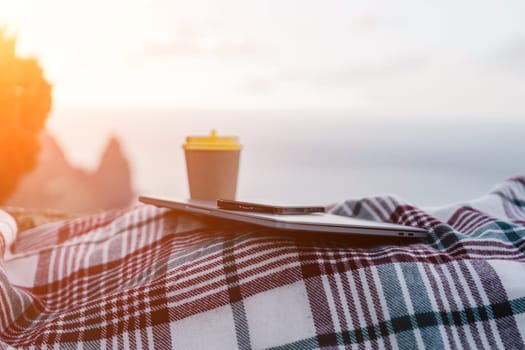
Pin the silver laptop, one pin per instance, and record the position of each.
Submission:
(313, 222)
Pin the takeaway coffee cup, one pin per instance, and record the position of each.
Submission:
(212, 163)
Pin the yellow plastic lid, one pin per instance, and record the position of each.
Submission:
(212, 143)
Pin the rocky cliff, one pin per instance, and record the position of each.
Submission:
(55, 184)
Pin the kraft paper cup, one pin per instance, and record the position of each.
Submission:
(212, 164)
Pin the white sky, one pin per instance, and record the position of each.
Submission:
(409, 58)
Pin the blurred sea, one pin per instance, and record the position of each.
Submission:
(306, 157)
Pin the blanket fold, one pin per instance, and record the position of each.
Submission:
(147, 278)
(8, 230)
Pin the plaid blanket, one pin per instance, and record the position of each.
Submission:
(150, 278)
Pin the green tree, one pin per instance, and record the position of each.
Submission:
(25, 102)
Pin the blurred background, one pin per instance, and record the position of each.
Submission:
(331, 99)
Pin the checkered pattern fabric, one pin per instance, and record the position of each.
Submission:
(150, 278)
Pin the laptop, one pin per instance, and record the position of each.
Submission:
(312, 222)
